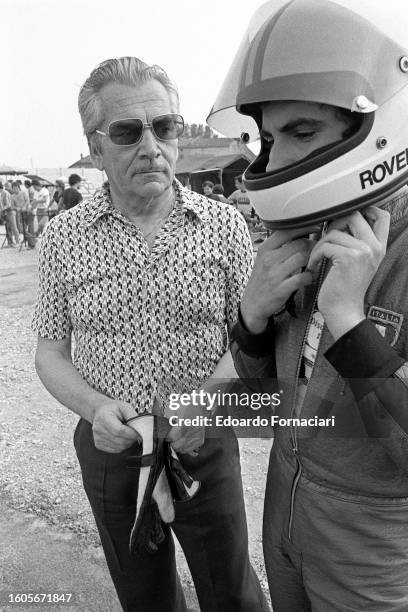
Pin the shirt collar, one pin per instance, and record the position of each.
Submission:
(192, 201)
(101, 205)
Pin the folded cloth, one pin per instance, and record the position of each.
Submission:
(162, 478)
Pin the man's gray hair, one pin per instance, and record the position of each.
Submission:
(126, 70)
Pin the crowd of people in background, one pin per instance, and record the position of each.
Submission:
(240, 200)
(26, 207)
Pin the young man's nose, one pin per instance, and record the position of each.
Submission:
(280, 156)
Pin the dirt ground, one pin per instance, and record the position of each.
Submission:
(49, 540)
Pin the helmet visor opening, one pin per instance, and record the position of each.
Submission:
(256, 177)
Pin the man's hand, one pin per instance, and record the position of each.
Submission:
(187, 439)
(355, 245)
(109, 431)
(276, 275)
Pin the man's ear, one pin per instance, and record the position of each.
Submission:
(95, 151)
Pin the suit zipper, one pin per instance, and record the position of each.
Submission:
(293, 428)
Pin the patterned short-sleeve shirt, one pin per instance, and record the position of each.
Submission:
(145, 322)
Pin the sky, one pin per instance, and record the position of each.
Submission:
(49, 47)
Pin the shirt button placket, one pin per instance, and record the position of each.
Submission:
(137, 251)
(148, 334)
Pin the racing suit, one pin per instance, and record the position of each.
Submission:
(336, 505)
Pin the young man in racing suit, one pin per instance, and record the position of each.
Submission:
(324, 315)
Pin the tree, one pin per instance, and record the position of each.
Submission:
(208, 133)
(195, 130)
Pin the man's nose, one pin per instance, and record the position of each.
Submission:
(279, 157)
(148, 146)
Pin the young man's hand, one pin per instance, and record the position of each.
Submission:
(276, 275)
(110, 433)
(355, 245)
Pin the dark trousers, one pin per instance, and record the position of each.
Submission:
(28, 230)
(211, 529)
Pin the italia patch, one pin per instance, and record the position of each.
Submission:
(387, 322)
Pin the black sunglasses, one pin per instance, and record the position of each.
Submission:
(127, 132)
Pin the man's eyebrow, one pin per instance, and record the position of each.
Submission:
(307, 122)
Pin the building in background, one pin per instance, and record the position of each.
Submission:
(192, 171)
(202, 156)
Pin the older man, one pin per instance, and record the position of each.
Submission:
(147, 276)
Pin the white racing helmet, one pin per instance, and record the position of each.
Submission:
(352, 54)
